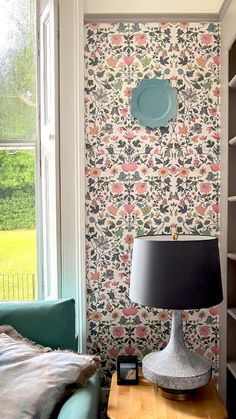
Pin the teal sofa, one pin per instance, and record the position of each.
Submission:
(52, 323)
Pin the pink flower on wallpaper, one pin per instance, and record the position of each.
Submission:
(129, 350)
(140, 38)
(111, 62)
(94, 130)
(113, 352)
(206, 38)
(185, 316)
(163, 315)
(130, 311)
(164, 25)
(201, 61)
(144, 314)
(173, 170)
(93, 26)
(202, 314)
(216, 208)
(124, 258)
(118, 331)
(129, 239)
(112, 209)
(213, 111)
(128, 59)
(183, 172)
(129, 167)
(215, 350)
(204, 330)
(216, 59)
(214, 311)
(124, 111)
(215, 167)
(117, 188)
(115, 314)
(184, 25)
(163, 171)
(108, 162)
(94, 202)
(203, 170)
(200, 209)
(216, 135)
(127, 91)
(95, 172)
(216, 92)
(96, 316)
(183, 129)
(117, 39)
(206, 187)
(129, 136)
(144, 170)
(129, 208)
(95, 276)
(141, 331)
(141, 187)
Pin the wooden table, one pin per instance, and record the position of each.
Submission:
(143, 402)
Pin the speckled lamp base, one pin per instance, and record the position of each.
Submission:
(176, 368)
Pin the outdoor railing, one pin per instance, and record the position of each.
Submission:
(18, 287)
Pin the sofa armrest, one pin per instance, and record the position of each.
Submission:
(84, 403)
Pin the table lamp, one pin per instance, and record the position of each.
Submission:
(177, 273)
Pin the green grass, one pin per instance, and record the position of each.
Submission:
(18, 251)
(17, 256)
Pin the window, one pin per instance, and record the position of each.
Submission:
(18, 279)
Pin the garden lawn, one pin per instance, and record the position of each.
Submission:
(17, 256)
(18, 251)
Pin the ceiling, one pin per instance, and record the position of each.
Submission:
(157, 7)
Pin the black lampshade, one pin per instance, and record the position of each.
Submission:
(176, 274)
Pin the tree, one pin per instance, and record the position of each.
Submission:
(18, 71)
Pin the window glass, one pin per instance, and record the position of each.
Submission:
(18, 279)
(17, 70)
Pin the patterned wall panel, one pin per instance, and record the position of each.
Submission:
(147, 181)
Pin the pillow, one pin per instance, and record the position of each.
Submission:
(34, 378)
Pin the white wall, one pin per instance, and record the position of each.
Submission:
(228, 25)
(228, 34)
(151, 6)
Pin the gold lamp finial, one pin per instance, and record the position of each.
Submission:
(175, 235)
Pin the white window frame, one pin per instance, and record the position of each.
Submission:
(72, 160)
(48, 152)
(72, 163)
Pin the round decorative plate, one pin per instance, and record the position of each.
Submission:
(154, 102)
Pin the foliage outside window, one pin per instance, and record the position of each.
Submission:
(17, 70)
(17, 154)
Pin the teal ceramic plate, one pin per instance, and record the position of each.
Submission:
(154, 102)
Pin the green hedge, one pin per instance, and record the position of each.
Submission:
(17, 190)
(17, 211)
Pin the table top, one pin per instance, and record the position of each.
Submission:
(142, 401)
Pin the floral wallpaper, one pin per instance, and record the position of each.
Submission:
(147, 181)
